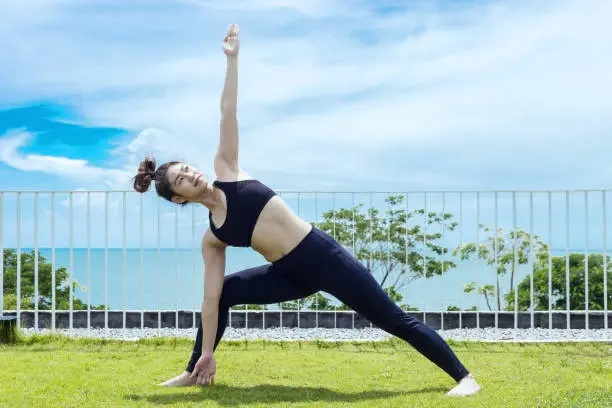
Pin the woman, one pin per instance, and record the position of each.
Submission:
(302, 259)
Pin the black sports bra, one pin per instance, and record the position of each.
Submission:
(245, 199)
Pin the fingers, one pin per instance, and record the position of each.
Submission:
(233, 30)
(202, 378)
(230, 41)
(205, 378)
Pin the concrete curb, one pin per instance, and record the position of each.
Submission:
(306, 319)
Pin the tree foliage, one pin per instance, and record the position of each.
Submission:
(389, 242)
(507, 251)
(499, 249)
(45, 284)
(577, 275)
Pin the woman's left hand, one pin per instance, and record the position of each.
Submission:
(205, 370)
(231, 44)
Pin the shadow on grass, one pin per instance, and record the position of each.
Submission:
(269, 394)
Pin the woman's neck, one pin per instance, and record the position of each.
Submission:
(213, 199)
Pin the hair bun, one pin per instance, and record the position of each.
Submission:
(146, 173)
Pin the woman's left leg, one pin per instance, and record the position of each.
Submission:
(258, 285)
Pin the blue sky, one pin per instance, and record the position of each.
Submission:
(344, 95)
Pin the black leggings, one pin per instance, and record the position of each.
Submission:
(319, 263)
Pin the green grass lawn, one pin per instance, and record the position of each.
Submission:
(59, 372)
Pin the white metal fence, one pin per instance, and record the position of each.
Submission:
(138, 256)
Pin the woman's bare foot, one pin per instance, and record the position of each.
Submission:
(467, 386)
(181, 380)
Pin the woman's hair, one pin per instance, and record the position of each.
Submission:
(147, 173)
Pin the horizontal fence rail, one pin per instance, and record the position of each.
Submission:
(453, 259)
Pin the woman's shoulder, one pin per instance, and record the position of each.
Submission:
(210, 240)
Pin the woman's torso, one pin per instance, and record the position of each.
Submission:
(277, 229)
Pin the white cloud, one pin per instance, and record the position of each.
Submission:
(314, 8)
(13, 141)
(334, 94)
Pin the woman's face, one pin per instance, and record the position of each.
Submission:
(186, 182)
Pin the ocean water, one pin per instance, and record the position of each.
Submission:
(168, 279)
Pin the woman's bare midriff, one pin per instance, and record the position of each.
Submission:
(278, 230)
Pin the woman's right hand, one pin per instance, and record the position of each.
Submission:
(205, 370)
(231, 44)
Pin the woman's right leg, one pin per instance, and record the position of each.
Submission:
(351, 283)
(259, 285)
(323, 263)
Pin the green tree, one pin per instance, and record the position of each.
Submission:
(577, 269)
(455, 308)
(292, 305)
(389, 242)
(62, 287)
(317, 301)
(249, 307)
(500, 249)
(485, 290)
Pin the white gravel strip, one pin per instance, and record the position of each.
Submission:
(366, 334)
(527, 335)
